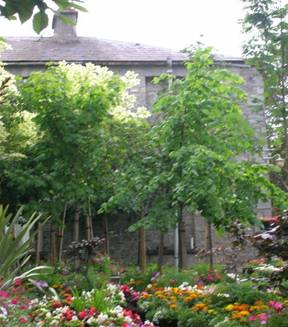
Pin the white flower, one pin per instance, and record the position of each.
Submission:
(117, 310)
(101, 318)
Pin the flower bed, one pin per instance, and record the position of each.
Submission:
(210, 302)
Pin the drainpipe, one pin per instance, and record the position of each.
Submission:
(176, 231)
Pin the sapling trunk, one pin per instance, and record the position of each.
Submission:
(142, 249)
(61, 234)
(53, 245)
(90, 222)
(106, 233)
(39, 243)
(182, 238)
(209, 245)
(76, 224)
(88, 227)
(161, 251)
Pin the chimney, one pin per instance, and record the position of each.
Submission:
(65, 30)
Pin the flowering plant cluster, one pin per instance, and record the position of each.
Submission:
(105, 307)
(15, 306)
(186, 304)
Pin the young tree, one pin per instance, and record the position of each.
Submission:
(76, 109)
(198, 147)
(266, 26)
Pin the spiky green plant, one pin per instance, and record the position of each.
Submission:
(14, 252)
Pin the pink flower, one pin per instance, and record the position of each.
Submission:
(4, 294)
(276, 305)
(263, 317)
(125, 324)
(14, 301)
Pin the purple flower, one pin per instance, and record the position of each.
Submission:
(40, 284)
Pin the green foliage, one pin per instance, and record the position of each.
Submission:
(244, 292)
(280, 320)
(24, 9)
(74, 108)
(187, 319)
(266, 26)
(14, 252)
(199, 141)
(194, 146)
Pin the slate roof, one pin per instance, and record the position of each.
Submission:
(83, 49)
(87, 49)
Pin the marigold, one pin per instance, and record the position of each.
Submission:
(240, 314)
(145, 296)
(241, 307)
(200, 306)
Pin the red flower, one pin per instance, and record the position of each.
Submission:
(92, 311)
(23, 320)
(56, 304)
(17, 282)
(68, 315)
(125, 289)
(82, 314)
(68, 299)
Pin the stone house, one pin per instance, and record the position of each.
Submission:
(28, 54)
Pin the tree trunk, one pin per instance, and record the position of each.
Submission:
(209, 245)
(39, 244)
(182, 238)
(106, 234)
(76, 224)
(61, 233)
(88, 227)
(161, 251)
(53, 245)
(142, 249)
(90, 220)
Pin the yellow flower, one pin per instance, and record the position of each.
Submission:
(229, 307)
(173, 306)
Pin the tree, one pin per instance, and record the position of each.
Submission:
(197, 145)
(25, 10)
(267, 49)
(76, 110)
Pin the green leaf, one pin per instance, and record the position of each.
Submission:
(26, 10)
(40, 21)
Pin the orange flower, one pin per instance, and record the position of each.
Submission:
(200, 307)
(173, 306)
(241, 307)
(145, 296)
(240, 314)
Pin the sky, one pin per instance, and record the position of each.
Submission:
(167, 23)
